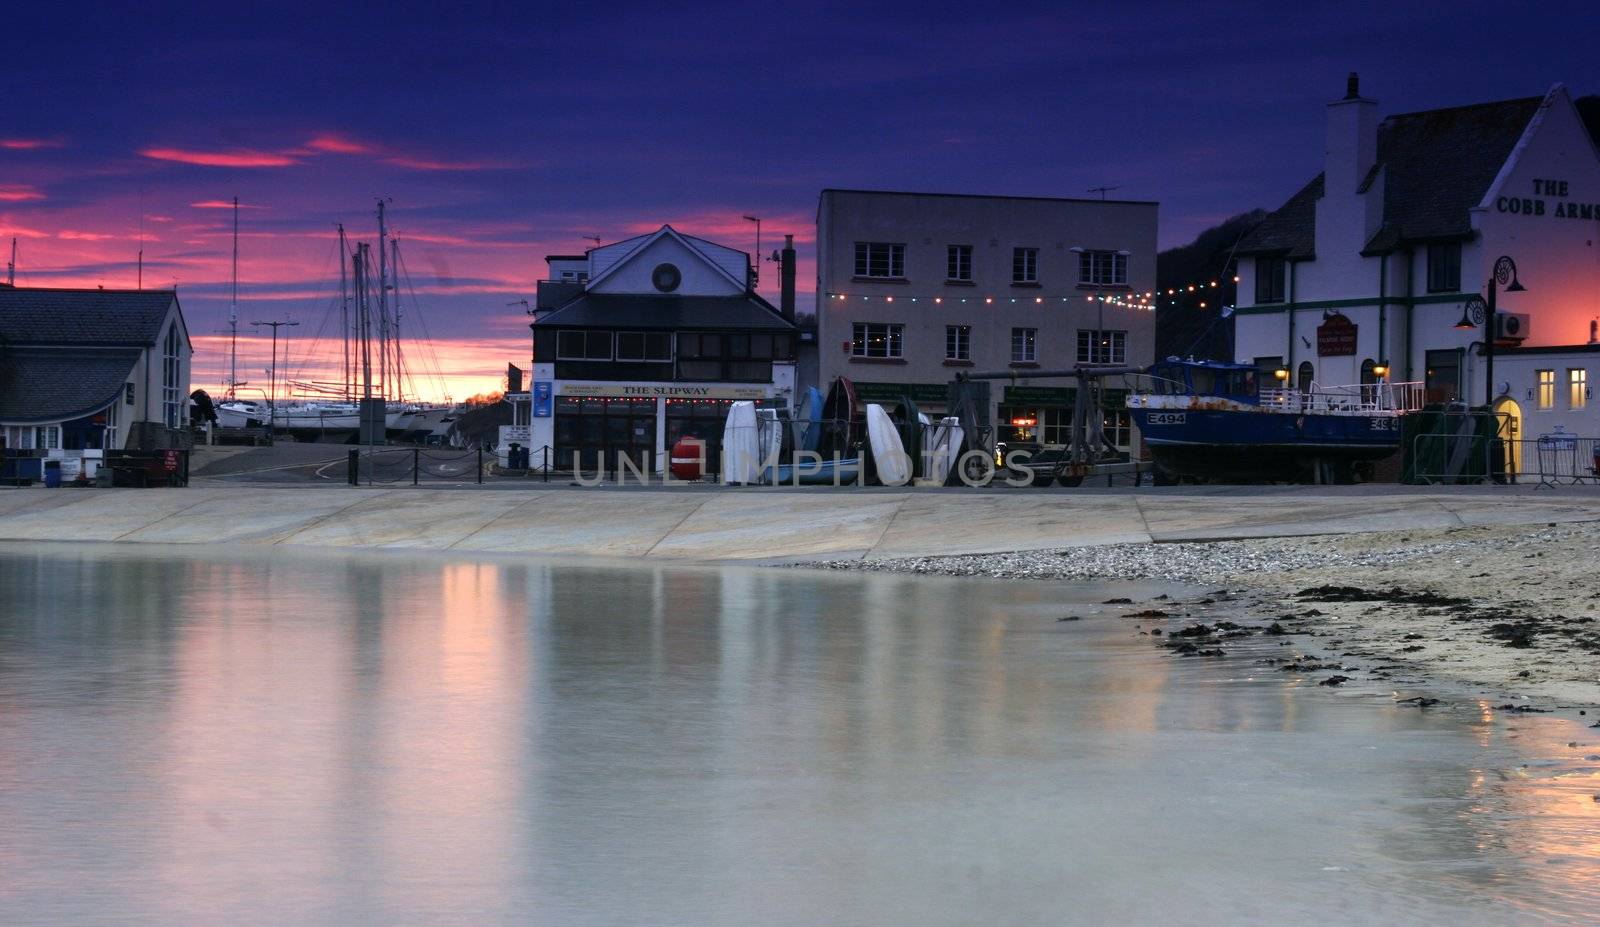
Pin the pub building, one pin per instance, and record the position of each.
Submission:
(643, 341)
(1375, 268)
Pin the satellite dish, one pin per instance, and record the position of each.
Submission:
(1227, 312)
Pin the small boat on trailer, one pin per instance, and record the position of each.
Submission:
(1214, 420)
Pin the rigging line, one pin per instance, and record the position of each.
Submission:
(298, 373)
(429, 355)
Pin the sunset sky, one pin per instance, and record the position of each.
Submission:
(500, 138)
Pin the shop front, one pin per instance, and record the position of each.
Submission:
(1043, 415)
(598, 426)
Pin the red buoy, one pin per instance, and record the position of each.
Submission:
(688, 461)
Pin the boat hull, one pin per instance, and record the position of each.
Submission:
(1237, 444)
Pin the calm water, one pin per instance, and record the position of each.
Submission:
(192, 737)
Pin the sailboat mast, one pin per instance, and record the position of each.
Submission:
(11, 267)
(383, 302)
(363, 309)
(233, 309)
(344, 311)
(399, 371)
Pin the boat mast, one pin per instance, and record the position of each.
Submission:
(344, 311)
(233, 309)
(399, 373)
(11, 268)
(383, 303)
(359, 262)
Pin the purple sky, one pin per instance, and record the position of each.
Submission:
(502, 137)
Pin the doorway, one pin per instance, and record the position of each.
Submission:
(1511, 432)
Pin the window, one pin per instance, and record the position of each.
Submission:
(644, 346)
(880, 259)
(1547, 388)
(1102, 268)
(1022, 345)
(742, 357)
(1118, 428)
(1102, 347)
(1270, 273)
(127, 393)
(171, 374)
(1442, 376)
(1024, 265)
(1444, 267)
(1577, 387)
(108, 439)
(958, 342)
(877, 339)
(1267, 371)
(581, 345)
(958, 263)
(46, 437)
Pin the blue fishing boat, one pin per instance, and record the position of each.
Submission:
(1207, 419)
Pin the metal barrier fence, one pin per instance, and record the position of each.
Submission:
(1556, 459)
(391, 465)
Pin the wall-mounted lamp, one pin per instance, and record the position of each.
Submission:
(1380, 371)
(1282, 373)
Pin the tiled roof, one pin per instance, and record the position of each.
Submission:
(84, 317)
(1436, 165)
(626, 310)
(54, 385)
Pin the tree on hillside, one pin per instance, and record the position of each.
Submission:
(1183, 325)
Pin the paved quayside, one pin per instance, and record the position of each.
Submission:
(756, 524)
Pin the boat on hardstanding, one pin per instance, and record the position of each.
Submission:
(1208, 419)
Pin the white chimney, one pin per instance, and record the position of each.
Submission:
(1352, 144)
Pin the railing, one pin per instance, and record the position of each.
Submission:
(1556, 459)
(1408, 396)
(392, 465)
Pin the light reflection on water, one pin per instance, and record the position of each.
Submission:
(280, 737)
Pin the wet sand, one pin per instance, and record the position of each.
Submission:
(1510, 614)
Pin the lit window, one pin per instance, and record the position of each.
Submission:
(877, 339)
(1547, 388)
(958, 342)
(1025, 265)
(1023, 342)
(958, 263)
(1577, 387)
(1102, 268)
(880, 259)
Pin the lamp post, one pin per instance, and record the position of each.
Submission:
(1478, 311)
(272, 388)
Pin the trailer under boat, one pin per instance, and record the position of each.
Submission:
(1213, 420)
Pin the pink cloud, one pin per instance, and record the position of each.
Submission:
(221, 204)
(69, 235)
(235, 158)
(19, 193)
(9, 229)
(434, 164)
(28, 144)
(333, 143)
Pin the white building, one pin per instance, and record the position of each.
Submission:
(1367, 270)
(643, 341)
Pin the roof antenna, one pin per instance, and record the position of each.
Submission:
(594, 238)
(1102, 190)
(11, 266)
(139, 279)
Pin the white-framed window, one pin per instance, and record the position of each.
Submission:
(1547, 388)
(1023, 343)
(1577, 387)
(1118, 427)
(46, 437)
(19, 437)
(171, 379)
(1102, 347)
(644, 347)
(1024, 265)
(958, 342)
(108, 440)
(880, 259)
(958, 263)
(1102, 268)
(877, 339)
(577, 345)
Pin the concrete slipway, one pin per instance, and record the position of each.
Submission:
(754, 524)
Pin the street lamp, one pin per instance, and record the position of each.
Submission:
(1479, 311)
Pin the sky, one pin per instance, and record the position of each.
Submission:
(498, 134)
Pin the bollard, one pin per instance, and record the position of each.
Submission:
(416, 463)
(353, 473)
(480, 464)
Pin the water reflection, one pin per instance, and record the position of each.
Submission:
(273, 737)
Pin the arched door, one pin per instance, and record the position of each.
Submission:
(1306, 376)
(1511, 432)
(1369, 381)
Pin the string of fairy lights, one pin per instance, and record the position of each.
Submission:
(1146, 301)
